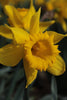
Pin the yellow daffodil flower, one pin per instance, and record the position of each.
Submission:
(21, 17)
(38, 50)
(61, 10)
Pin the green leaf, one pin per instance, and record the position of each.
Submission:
(19, 91)
(13, 84)
(2, 86)
(54, 88)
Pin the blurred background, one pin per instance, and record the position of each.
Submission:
(46, 86)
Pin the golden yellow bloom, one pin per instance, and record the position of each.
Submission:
(38, 50)
(61, 10)
(21, 17)
(60, 6)
(4, 2)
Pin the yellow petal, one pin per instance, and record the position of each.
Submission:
(45, 25)
(12, 13)
(34, 26)
(22, 11)
(10, 55)
(58, 67)
(57, 37)
(26, 20)
(4, 31)
(31, 74)
(20, 35)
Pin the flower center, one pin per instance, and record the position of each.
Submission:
(45, 50)
(42, 49)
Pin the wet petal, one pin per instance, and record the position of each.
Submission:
(34, 26)
(5, 32)
(45, 25)
(31, 74)
(58, 67)
(57, 37)
(10, 55)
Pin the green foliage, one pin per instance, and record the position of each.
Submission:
(54, 88)
(12, 82)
